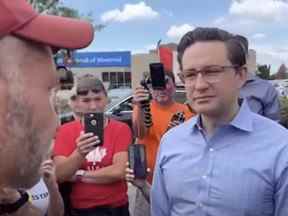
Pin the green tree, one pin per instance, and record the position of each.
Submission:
(263, 71)
(56, 7)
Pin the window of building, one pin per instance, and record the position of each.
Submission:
(105, 77)
(117, 79)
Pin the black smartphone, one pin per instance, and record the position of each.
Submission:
(157, 75)
(137, 160)
(94, 123)
(179, 116)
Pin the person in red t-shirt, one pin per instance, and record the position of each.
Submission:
(97, 173)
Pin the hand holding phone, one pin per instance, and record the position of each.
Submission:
(137, 160)
(86, 142)
(94, 123)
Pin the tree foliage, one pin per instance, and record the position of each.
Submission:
(263, 71)
(56, 7)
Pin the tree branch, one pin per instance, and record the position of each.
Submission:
(50, 5)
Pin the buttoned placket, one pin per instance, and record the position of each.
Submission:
(206, 176)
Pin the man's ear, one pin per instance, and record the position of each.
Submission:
(242, 75)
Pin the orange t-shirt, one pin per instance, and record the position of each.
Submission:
(161, 116)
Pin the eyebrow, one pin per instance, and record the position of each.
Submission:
(206, 66)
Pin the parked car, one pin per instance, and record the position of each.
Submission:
(116, 95)
(66, 117)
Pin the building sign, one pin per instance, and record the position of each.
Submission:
(98, 59)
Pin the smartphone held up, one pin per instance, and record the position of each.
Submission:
(137, 160)
(157, 75)
(94, 123)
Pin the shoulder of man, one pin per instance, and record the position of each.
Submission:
(118, 124)
(70, 125)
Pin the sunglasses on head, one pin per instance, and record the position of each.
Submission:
(83, 92)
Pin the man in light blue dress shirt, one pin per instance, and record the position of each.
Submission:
(228, 160)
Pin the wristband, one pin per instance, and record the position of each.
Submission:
(13, 207)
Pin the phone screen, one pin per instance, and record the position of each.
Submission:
(94, 123)
(157, 75)
(137, 160)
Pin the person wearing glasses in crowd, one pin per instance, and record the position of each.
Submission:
(162, 108)
(261, 95)
(228, 160)
(97, 173)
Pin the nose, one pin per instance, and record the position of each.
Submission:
(93, 105)
(200, 83)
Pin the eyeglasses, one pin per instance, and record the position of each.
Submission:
(211, 74)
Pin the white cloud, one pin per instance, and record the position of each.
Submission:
(258, 36)
(271, 54)
(176, 32)
(237, 25)
(256, 19)
(264, 10)
(139, 11)
(280, 53)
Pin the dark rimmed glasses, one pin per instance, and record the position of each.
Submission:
(211, 74)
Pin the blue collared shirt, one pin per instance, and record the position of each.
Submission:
(242, 170)
(262, 97)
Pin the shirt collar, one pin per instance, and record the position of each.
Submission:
(251, 77)
(242, 121)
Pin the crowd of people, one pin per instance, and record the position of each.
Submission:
(227, 155)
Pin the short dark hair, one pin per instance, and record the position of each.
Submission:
(236, 51)
(244, 41)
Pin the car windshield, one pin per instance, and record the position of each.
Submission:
(117, 95)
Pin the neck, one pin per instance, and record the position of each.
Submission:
(106, 121)
(211, 122)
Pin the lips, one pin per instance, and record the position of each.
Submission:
(203, 98)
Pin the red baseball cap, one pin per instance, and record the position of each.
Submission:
(17, 17)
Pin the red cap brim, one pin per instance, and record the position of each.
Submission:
(58, 32)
